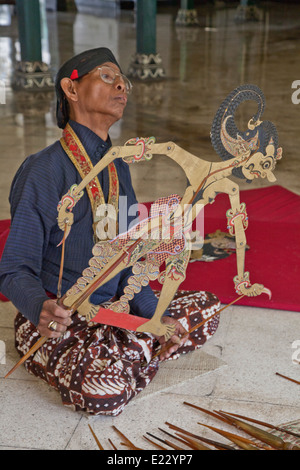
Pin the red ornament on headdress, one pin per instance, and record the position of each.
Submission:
(74, 74)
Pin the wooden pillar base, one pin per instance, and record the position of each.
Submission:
(187, 17)
(33, 76)
(146, 66)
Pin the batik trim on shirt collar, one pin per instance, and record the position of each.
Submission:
(79, 157)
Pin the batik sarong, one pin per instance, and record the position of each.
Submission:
(98, 368)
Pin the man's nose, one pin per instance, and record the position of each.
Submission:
(120, 84)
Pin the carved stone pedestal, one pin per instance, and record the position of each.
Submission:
(187, 17)
(146, 66)
(32, 76)
(246, 13)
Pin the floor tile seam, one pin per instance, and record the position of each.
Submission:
(14, 448)
(73, 432)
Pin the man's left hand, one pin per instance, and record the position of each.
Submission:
(175, 342)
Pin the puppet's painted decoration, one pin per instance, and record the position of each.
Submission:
(256, 147)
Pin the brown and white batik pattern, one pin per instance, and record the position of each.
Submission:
(98, 368)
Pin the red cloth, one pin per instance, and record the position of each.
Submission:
(106, 316)
(273, 258)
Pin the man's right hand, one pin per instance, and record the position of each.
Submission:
(51, 311)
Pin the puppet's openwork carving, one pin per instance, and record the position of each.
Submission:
(248, 154)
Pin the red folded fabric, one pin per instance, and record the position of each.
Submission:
(107, 316)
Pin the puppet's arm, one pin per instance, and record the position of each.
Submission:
(174, 275)
(110, 258)
(135, 150)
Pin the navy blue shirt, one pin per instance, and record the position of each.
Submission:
(30, 262)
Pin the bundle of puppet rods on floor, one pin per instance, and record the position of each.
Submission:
(182, 439)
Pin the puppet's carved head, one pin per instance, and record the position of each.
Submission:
(255, 151)
(262, 165)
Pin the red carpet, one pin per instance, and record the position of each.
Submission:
(273, 259)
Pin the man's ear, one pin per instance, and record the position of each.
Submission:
(69, 88)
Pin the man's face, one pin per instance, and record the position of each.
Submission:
(100, 99)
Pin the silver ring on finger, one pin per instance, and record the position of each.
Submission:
(52, 325)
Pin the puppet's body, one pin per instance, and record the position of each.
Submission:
(249, 155)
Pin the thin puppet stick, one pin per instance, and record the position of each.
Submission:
(288, 378)
(202, 323)
(32, 350)
(96, 438)
(62, 261)
(43, 339)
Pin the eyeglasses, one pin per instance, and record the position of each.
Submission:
(109, 75)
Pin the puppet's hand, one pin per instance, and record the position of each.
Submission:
(64, 215)
(178, 338)
(65, 206)
(243, 287)
(65, 221)
(164, 328)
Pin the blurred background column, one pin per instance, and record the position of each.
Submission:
(31, 72)
(247, 11)
(146, 63)
(187, 14)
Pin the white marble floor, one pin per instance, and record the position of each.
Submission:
(202, 65)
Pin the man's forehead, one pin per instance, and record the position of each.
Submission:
(107, 64)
